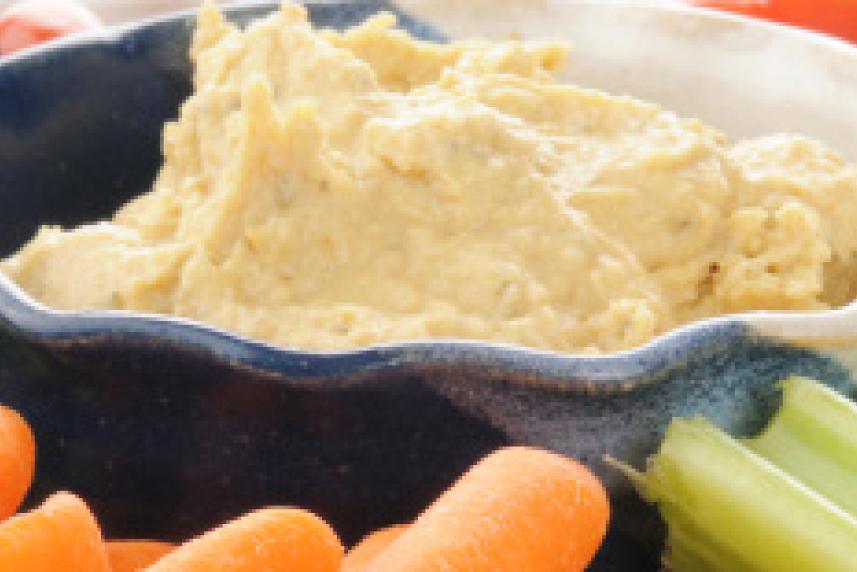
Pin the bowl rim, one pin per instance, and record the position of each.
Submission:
(614, 371)
(113, 33)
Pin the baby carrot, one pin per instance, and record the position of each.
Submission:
(17, 460)
(267, 540)
(61, 534)
(135, 555)
(517, 509)
(371, 546)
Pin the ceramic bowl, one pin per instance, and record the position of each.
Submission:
(168, 427)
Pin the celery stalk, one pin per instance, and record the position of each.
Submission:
(814, 438)
(728, 509)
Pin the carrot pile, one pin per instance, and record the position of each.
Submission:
(519, 508)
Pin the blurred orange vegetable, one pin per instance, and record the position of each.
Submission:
(359, 557)
(61, 534)
(135, 555)
(266, 540)
(835, 17)
(17, 460)
(25, 24)
(517, 509)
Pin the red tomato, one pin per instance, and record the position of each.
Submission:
(24, 24)
(835, 17)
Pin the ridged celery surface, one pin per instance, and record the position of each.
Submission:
(728, 508)
(814, 438)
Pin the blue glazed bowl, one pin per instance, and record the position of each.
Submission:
(168, 427)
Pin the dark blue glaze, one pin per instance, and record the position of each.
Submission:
(168, 427)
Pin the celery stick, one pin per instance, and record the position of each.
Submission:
(728, 509)
(690, 549)
(814, 438)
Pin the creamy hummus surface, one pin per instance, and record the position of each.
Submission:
(331, 190)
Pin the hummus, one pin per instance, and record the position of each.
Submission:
(331, 190)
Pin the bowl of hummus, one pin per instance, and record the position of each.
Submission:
(328, 191)
(354, 226)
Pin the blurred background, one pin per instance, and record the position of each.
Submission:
(118, 11)
(33, 21)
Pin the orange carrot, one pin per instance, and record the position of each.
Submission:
(135, 555)
(61, 534)
(266, 540)
(371, 546)
(517, 509)
(17, 460)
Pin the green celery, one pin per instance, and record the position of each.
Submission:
(814, 438)
(728, 509)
